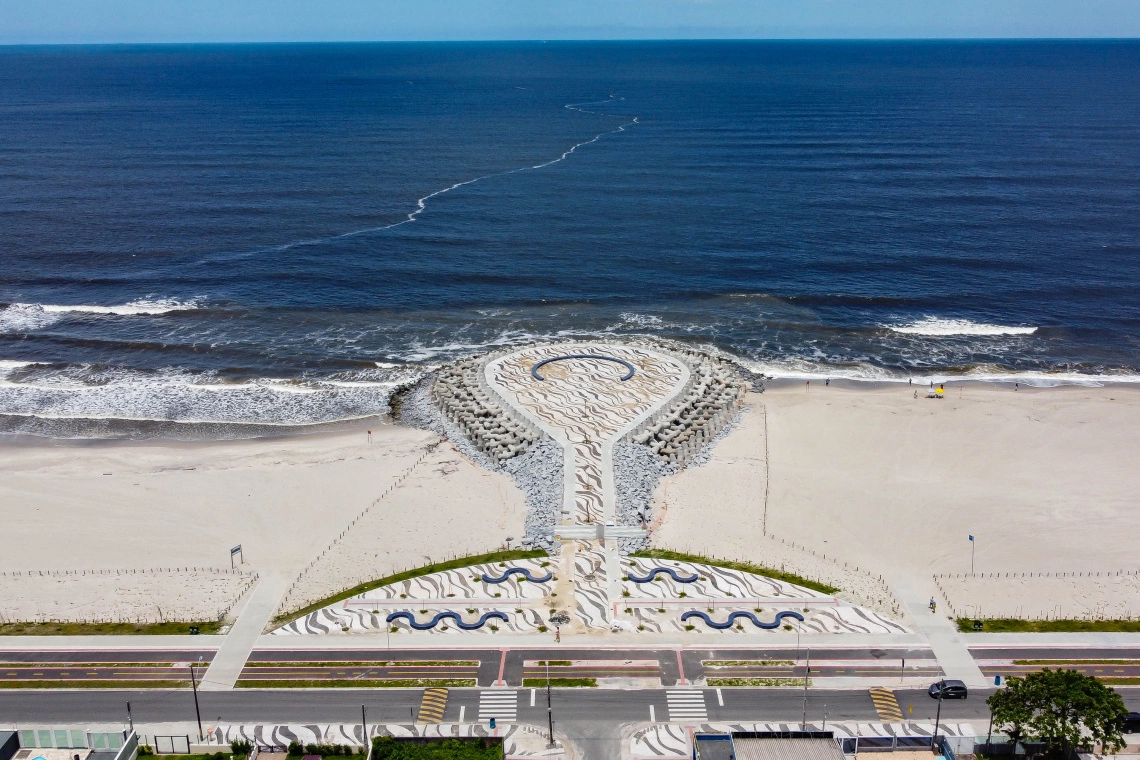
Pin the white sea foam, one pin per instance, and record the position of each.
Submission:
(422, 203)
(935, 326)
(186, 397)
(26, 317)
(807, 370)
(643, 320)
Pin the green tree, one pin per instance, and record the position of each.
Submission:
(1064, 709)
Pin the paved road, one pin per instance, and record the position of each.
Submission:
(642, 667)
(392, 705)
(668, 667)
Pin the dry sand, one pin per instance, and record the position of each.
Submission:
(184, 505)
(1045, 479)
(866, 477)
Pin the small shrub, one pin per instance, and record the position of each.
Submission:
(542, 629)
(682, 594)
(787, 628)
(690, 627)
(641, 628)
(239, 747)
(145, 749)
(494, 629)
(625, 592)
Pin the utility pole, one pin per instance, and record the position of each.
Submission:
(902, 670)
(194, 685)
(549, 709)
(937, 719)
(807, 672)
(972, 545)
(364, 729)
(131, 721)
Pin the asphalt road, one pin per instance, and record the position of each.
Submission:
(668, 666)
(392, 705)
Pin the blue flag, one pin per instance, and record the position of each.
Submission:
(971, 538)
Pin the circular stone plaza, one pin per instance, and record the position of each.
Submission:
(654, 409)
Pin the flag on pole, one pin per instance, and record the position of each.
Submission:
(971, 538)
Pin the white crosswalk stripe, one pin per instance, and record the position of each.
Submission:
(686, 706)
(501, 705)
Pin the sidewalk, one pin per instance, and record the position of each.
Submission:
(951, 651)
(239, 642)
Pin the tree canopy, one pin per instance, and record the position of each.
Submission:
(1064, 709)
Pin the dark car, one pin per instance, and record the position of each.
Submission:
(948, 690)
(1132, 723)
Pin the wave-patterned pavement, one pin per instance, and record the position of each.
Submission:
(520, 740)
(673, 740)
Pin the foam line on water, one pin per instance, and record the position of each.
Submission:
(422, 203)
(935, 326)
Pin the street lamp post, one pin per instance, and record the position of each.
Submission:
(194, 685)
(549, 709)
(937, 719)
(807, 672)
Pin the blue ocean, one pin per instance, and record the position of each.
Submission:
(228, 240)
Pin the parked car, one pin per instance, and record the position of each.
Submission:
(948, 690)
(1132, 723)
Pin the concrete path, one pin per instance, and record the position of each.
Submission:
(239, 642)
(941, 634)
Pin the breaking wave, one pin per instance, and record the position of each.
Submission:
(934, 326)
(26, 317)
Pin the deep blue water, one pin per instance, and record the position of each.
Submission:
(793, 204)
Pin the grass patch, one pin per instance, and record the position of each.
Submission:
(1012, 625)
(1076, 662)
(388, 748)
(554, 663)
(371, 683)
(744, 663)
(540, 682)
(105, 629)
(361, 664)
(81, 684)
(746, 567)
(756, 682)
(1119, 680)
(416, 572)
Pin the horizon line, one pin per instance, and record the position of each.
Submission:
(538, 40)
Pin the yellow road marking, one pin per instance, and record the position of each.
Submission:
(433, 705)
(886, 705)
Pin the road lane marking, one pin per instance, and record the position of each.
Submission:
(652, 715)
(886, 705)
(432, 707)
(532, 691)
(499, 704)
(719, 698)
(686, 706)
(462, 710)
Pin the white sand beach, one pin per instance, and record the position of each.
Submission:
(172, 505)
(865, 476)
(1044, 479)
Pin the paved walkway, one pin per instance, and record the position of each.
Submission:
(945, 641)
(586, 406)
(239, 642)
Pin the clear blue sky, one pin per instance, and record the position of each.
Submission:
(85, 21)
